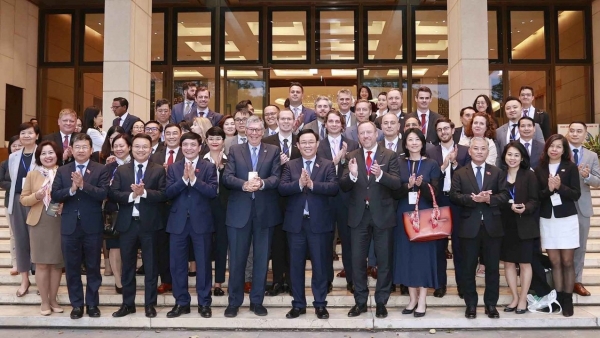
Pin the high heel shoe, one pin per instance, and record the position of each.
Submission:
(25, 292)
(57, 309)
(408, 311)
(420, 314)
(509, 309)
(45, 312)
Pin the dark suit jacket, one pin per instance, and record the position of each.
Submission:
(57, 138)
(463, 185)
(212, 116)
(456, 135)
(526, 192)
(381, 201)
(309, 114)
(462, 159)
(86, 202)
(402, 121)
(537, 149)
(324, 151)
(543, 119)
(274, 140)
(325, 185)
(128, 124)
(569, 190)
(160, 155)
(191, 201)
(399, 148)
(150, 207)
(239, 208)
(431, 136)
(177, 111)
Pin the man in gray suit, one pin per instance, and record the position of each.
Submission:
(240, 118)
(344, 101)
(362, 111)
(322, 107)
(183, 108)
(533, 147)
(202, 99)
(510, 131)
(589, 176)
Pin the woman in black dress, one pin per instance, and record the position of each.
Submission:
(519, 222)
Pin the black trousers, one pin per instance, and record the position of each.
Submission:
(280, 256)
(539, 283)
(340, 210)
(148, 242)
(163, 256)
(220, 244)
(471, 248)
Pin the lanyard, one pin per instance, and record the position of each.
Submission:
(512, 193)
(24, 166)
(418, 167)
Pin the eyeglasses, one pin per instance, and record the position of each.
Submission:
(238, 120)
(151, 129)
(443, 129)
(254, 130)
(115, 107)
(81, 147)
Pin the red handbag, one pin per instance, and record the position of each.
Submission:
(429, 224)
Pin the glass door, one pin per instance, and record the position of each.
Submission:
(243, 84)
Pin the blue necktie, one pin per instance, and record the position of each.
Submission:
(138, 177)
(286, 148)
(576, 156)
(254, 158)
(309, 174)
(479, 178)
(322, 136)
(80, 167)
(527, 147)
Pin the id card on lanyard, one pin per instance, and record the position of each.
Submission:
(27, 169)
(555, 198)
(412, 195)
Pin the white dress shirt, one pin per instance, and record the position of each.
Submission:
(296, 110)
(136, 212)
(526, 148)
(334, 143)
(207, 157)
(365, 152)
(530, 111)
(510, 126)
(424, 125)
(394, 143)
(167, 154)
(448, 176)
(123, 117)
(289, 142)
(194, 163)
(84, 170)
(204, 111)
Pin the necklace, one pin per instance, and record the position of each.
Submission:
(27, 155)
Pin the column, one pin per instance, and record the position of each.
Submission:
(127, 37)
(468, 65)
(596, 52)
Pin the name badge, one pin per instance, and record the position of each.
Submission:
(511, 201)
(23, 183)
(556, 201)
(252, 174)
(412, 197)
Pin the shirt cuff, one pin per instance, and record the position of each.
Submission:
(131, 199)
(379, 177)
(353, 178)
(72, 193)
(262, 185)
(185, 181)
(191, 182)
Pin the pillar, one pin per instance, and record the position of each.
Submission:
(468, 64)
(596, 52)
(127, 37)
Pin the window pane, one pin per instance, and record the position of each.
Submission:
(382, 80)
(571, 35)
(193, 36)
(92, 90)
(244, 85)
(93, 49)
(534, 79)
(527, 35)
(58, 38)
(572, 94)
(289, 36)
(241, 36)
(202, 76)
(436, 78)
(156, 91)
(385, 35)
(158, 37)
(58, 91)
(492, 35)
(336, 29)
(431, 35)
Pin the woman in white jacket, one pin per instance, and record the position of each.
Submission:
(92, 125)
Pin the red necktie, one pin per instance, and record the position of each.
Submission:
(66, 142)
(369, 162)
(423, 122)
(170, 160)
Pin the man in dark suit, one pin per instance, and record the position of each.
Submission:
(287, 143)
(67, 120)
(154, 129)
(308, 183)
(450, 156)
(372, 214)
(162, 113)
(252, 175)
(466, 115)
(362, 111)
(191, 183)
(479, 189)
(139, 188)
(120, 108)
(322, 107)
(526, 137)
(82, 187)
(202, 110)
(425, 115)
(168, 155)
(344, 101)
(302, 114)
(394, 103)
(540, 117)
(391, 132)
(181, 109)
(334, 148)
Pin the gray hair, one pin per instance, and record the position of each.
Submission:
(478, 139)
(321, 98)
(254, 119)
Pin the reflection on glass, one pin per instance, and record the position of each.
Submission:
(202, 76)
(573, 94)
(533, 79)
(57, 92)
(385, 35)
(527, 35)
(58, 38)
(497, 97)
(382, 80)
(241, 36)
(156, 91)
(193, 36)
(336, 29)
(92, 89)
(93, 49)
(431, 33)
(158, 37)
(436, 78)
(244, 85)
(571, 35)
(492, 35)
(289, 36)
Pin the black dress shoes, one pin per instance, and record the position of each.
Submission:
(276, 289)
(408, 311)
(77, 312)
(491, 312)
(321, 312)
(521, 311)
(350, 287)
(205, 311)
(140, 271)
(420, 314)
(381, 311)
(258, 309)
(471, 312)
(231, 312)
(295, 312)
(178, 310)
(357, 309)
(509, 309)
(93, 311)
(150, 311)
(439, 293)
(403, 290)
(218, 292)
(123, 311)
(118, 290)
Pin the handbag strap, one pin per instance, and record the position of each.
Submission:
(435, 205)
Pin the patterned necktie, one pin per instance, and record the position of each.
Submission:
(80, 167)
(576, 156)
(479, 178)
(243, 139)
(309, 174)
(525, 112)
(369, 162)
(138, 178)
(286, 148)
(423, 123)
(170, 160)
(513, 132)
(254, 158)
(188, 107)
(390, 145)
(322, 136)
(66, 142)
(527, 147)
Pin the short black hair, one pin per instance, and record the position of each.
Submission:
(25, 126)
(525, 163)
(462, 111)
(12, 140)
(242, 104)
(524, 88)
(160, 127)
(190, 136)
(142, 135)
(81, 137)
(419, 134)
(170, 125)
(307, 131)
(216, 131)
(527, 118)
(161, 102)
(512, 98)
(57, 150)
(297, 84)
(579, 122)
(125, 138)
(122, 101)
(185, 126)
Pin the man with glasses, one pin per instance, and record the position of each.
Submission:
(162, 113)
(202, 110)
(252, 174)
(188, 105)
(270, 113)
(240, 118)
(154, 130)
(120, 108)
(540, 117)
(82, 187)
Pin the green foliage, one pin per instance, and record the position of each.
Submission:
(593, 144)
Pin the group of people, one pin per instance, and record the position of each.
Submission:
(196, 186)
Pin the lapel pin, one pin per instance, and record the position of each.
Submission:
(88, 171)
(562, 170)
(488, 173)
(317, 165)
(197, 170)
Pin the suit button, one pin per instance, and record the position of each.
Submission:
(367, 188)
